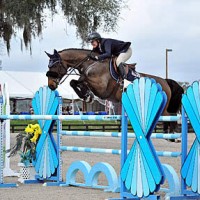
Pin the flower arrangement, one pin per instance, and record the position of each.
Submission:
(26, 143)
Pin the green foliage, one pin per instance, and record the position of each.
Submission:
(26, 148)
(26, 158)
(29, 16)
(89, 15)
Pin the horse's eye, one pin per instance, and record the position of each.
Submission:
(52, 74)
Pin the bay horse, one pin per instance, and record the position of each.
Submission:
(95, 77)
(174, 106)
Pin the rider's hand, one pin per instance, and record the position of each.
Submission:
(93, 57)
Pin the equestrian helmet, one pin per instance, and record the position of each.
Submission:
(94, 36)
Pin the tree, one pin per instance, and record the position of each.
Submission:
(29, 16)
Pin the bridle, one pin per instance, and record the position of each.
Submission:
(68, 70)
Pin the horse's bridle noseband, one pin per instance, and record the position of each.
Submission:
(56, 76)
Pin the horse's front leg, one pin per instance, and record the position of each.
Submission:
(82, 90)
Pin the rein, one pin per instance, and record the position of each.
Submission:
(71, 69)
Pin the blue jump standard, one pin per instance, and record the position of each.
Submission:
(8, 185)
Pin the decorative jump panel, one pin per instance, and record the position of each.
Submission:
(143, 102)
(46, 102)
(190, 170)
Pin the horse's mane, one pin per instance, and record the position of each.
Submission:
(77, 49)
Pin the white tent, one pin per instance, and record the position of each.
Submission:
(23, 84)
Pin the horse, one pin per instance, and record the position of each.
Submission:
(95, 77)
(174, 106)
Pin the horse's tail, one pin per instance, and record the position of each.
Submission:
(176, 96)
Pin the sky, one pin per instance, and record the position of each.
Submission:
(151, 27)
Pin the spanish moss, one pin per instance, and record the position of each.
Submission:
(29, 17)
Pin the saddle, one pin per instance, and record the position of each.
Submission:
(126, 66)
(130, 71)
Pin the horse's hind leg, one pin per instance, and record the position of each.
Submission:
(173, 108)
(168, 93)
(165, 112)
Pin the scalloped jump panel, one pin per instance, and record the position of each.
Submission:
(45, 102)
(190, 170)
(143, 102)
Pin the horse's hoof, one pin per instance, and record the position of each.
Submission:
(178, 140)
(170, 140)
(89, 98)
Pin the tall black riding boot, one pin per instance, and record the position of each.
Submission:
(122, 71)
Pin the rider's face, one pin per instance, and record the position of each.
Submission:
(94, 44)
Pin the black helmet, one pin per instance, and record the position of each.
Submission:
(94, 36)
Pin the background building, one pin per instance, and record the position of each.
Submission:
(22, 86)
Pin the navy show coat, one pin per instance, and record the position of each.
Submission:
(111, 47)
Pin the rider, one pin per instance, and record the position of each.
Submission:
(110, 47)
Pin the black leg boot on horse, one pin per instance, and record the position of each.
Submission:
(82, 91)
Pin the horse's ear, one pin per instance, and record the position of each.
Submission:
(48, 54)
(56, 53)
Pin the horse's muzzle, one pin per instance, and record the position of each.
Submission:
(52, 87)
(52, 84)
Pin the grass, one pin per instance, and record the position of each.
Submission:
(19, 122)
(20, 125)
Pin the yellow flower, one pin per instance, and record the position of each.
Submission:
(34, 138)
(29, 129)
(35, 129)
